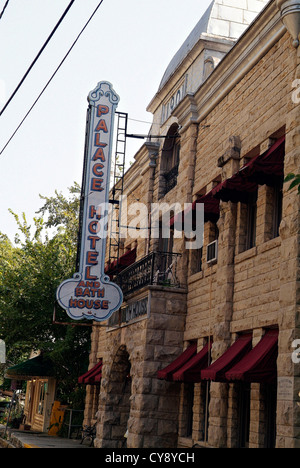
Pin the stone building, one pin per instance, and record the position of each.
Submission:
(201, 352)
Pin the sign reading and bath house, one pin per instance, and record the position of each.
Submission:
(90, 294)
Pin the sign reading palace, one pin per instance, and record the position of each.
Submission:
(90, 294)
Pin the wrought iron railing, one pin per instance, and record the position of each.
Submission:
(157, 268)
(171, 179)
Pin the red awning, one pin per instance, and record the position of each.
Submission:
(123, 262)
(268, 167)
(191, 371)
(265, 169)
(216, 372)
(93, 376)
(211, 211)
(260, 364)
(211, 207)
(236, 189)
(167, 373)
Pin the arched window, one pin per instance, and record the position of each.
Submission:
(170, 160)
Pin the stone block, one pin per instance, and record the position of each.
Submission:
(167, 428)
(168, 404)
(145, 402)
(155, 337)
(166, 353)
(160, 442)
(173, 338)
(118, 432)
(143, 426)
(135, 441)
(167, 322)
(141, 385)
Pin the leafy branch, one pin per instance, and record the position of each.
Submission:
(295, 178)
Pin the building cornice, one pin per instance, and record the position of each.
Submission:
(206, 41)
(254, 44)
(187, 112)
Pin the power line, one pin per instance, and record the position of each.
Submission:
(57, 69)
(4, 8)
(38, 56)
(142, 121)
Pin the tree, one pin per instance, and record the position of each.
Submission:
(62, 212)
(296, 181)
(30, 272)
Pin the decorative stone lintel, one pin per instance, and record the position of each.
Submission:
(233, 151)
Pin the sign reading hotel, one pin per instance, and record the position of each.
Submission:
(90, 294)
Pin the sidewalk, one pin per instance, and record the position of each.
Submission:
(27, 439)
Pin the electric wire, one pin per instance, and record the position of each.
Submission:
(53, 75)
(142, 121)
(4, 8)
(38, 56)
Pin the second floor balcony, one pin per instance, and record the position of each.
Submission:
(157, 268)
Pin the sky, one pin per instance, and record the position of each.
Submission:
(128, 43)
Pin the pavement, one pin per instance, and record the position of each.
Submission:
(28, 439)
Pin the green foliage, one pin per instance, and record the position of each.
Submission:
(296, 181)
(30, 272)
(63, 212)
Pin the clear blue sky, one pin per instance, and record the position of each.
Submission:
(129, 43)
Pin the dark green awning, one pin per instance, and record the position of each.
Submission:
(38, 367)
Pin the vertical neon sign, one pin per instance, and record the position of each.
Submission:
(90, 294)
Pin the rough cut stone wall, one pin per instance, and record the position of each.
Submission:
(150, 408)
(256, 288)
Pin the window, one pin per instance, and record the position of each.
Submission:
(251, 222)
(172, 169)
(273, 211)
(198, 260)
(189, 407)
(212, 235)
(269, 392)
(186, 418)
(212, 252)
(41, 398)
(170, 160)
(205, 400)
(166, 239)
(246, 223)
(244, 393)
(165, 247)
(277, 208)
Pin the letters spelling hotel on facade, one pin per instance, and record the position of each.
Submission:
(201, 350)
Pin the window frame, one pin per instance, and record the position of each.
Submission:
(170, 160)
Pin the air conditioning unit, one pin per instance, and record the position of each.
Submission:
(212, 252)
